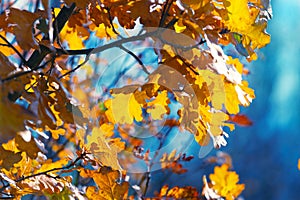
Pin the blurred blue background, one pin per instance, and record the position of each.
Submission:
(265, 155)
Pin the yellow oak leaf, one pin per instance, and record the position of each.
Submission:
(75, 41)
(225, 183)
(105, 150)
(123, 108)
(8, 158)
(7, 51)
(242, 19)
(179, 27)
(108, 186)
(159, 105)
(232, 100)
(215, 86)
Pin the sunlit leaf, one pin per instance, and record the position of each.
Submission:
(105, 150)
(109, 186)
(225, 182)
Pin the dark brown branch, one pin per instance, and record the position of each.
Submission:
(190, 66)
(74, 69)
(22, 73)
(162, 140)
(63, 16)
(164, 14)
(118, 43)
(136, 58)
(15, 50)
(111, 23)
(47, 171)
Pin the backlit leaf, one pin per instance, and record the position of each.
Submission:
(225, 182)
(105, 150)
(108, 184)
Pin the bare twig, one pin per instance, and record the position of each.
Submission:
(190, 66)
(112, 24)
(22, 73)
(117, 43)
(147, 175)
(136, 58)
(47, 171)
(74, 69)
(12, 46)
(164, 13)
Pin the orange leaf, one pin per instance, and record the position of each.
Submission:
(241, 120)
(225, 182)
(106, 151)
(8, 158)
(107, 182)
(22, 22)
(30, 147)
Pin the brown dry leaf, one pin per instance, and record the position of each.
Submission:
(107, 182)
(187, 192)
(6, 66)
(12, 118)
(22, 22)
(8, 158)
(30, 147)
(105, 150)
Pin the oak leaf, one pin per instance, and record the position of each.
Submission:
(225, 182)
(108, 184)
(105, 150)
(8, 158)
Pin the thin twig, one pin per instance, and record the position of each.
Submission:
(22, 73)
(112, 24)
(148, 173)
(136, 58)
(190, 66)
(47, 171)
(12, 46)
(74, 69)
(118, 43)
(163, 14)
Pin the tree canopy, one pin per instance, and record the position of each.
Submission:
(94, 94)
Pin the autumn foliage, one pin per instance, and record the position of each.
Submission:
(92, 92)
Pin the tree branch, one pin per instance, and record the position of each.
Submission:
(164, 13)
(136, 58)
(117, 43)
(15, 50)
(63, 16)
(18, 74)
(111, 23)
(162, 140)
(47, 171)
